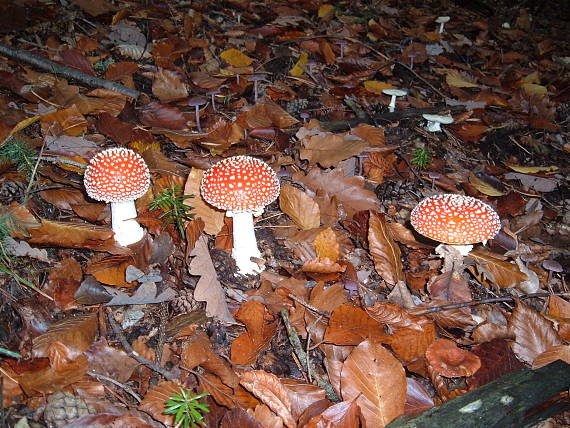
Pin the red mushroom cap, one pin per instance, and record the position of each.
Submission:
(117, 175)
(239, 184)
(455, 219)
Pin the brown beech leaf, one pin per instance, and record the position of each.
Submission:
(264, 114)
(376, 379)
(50, 379)
(268, 388)
(372, 134)
(153, 402)
(212, 217)
(226, 396)
(560, 352)
(197, 351)
(302, 395)
(205, 80)
(76, 59)
(410, 343)
(384, 250)
(450, 286)
(110, 362)
(497, 359)
(345, 414)
(193, 231)
(405, 236)
(111, 270)
(448, 360)
(533, 333)
(450, 318)
(300, 207)
(67, 121)
(328, 149)
(348, 191)
(120, 70)
(162, 116)
(349, 325)
(117, 130)
(167, 86)
(221, 135)
(327, 245)
(322, 265)
(393, 315)
(260, 327)
(498, 271)
(75, 333)
(209, 289)
(64, 281)
(239, 418)
(377, 166)
(106, 420)
(418, 399)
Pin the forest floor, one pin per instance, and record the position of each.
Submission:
(352, 317)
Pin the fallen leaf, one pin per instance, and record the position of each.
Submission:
(236, 58)
(349, 325)
(498, 271)
(213, 218)
(209, 289)
(384, 250)
(377, 380)
(459, 80)
(327, 245)
(269, 390)
(260, 327)
(328, 149)
(300, 207)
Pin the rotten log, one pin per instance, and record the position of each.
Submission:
(519, 399)
(68, 72)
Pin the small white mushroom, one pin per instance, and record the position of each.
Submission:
(434, 121)
(441, 20)
(394, 93)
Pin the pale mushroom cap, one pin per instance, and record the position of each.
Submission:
(438, 118)
(240, 184)
(396, 92)
(455, 219)
(442, 19)
(116, 175)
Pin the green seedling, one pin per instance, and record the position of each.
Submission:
(187, 410)
(421, 158)
(20, 154)
(175, 211)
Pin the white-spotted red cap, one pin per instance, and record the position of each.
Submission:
(455, 219)
(239, 184)
(116, 175)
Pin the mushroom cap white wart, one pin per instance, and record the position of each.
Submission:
(240, 184)
(116, 175)
(455, 219)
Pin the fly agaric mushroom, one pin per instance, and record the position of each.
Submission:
(119, 176)
(456, 220)
(242, 186)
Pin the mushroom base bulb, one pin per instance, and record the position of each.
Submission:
(245, 244)
(127, 230)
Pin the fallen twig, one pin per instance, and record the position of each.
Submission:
(62, 70)
(306, 362)
(131, 353)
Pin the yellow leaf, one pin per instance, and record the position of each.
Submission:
(236, 58)
(326, 244)
(533, 89)
(299, 68)
(23, 124)
(376, 87)
(483, 187)
(531, 78)
(454, 78)
(326, 11)
(531, 169)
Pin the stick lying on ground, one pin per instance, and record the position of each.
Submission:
(62, 70)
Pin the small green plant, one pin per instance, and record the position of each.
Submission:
(20, 154)
(171, 201)
(421, 158)
(186, 408)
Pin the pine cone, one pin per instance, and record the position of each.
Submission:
(184, 302)
(63, 408)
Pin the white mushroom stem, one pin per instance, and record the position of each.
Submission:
(433, 126)
(392, 105)
(245, 243)
(127, 230)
